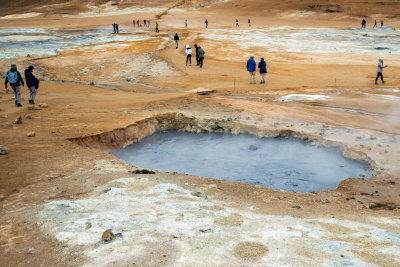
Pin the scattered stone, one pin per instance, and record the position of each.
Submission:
(3, 150)
(206, 230)
(199, 194)
(34, 108)
(106, 190)
(9, 124)
(28, 116)
(281, 197)
(296, 207)
(392, 182)
(92, 83)
(364, 194)
(18, 120)
(43, 105)
(109, 236)
(31, 134)
(143, 171)
(31, 251)
(383, 206)
(88, 225)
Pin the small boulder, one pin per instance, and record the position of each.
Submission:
(3, 150)
(9, 124)
(28, 116)
(43, 105)
(31, 134)
(199, 194)
(109, 236)
(18, 120)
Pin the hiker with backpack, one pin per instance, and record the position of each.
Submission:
(32, 83)
(14, 78)
(251, 68)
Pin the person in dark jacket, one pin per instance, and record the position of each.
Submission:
(176, 38)
(32, 82)
(14, 78)
(262, 65)
(251, 68)
(197, 54)
(201, 56)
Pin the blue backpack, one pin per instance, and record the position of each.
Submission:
(12, 77)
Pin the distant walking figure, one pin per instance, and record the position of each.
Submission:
(148, 23)
(379, 70)
(206, 23)
(381, 23)
(249, 22)
(363, 23)
(188, 55)
(185, 23)
(262, 65)
(251, 68)
(144, 23)
(133, 21)
(374, 24)
(32, 83)
(201, 56)
(237, 23)
(197, 54)
(157, 27)
(114, 27)
(176, 39)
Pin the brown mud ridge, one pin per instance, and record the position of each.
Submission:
(122, 137)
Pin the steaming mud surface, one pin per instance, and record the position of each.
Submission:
(277, 163)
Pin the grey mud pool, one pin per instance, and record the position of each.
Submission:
(277, 163)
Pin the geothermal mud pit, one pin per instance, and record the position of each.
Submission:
(277, 163)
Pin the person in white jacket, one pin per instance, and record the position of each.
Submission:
(188, 55)
(379, 70)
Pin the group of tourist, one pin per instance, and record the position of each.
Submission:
(364, 24)
(146, 23)
(15, 80)
(252, 67)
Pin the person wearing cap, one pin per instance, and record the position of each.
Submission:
(262, 65)
(251, 68)
(14, 78)
(32, 82)
(188, 55)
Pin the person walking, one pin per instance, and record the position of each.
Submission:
(144, 23)
(374, 24)
(206, 23)
(188, 55)
(201, 56)
(14, 78)
(185, 23)
(363, 23)
(176, 39)
(262, 65)
(134, 22)
(32, 83)
(197, 54)
(379, 70)
(116, 28)
(251, 68)
(381, 23)
(157, 27)
(249, 22)
(237, 23)
(138, 23)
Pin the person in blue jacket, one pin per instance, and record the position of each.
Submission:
(251, 68)
(262, 65)
(32, 82)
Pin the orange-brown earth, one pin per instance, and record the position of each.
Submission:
(48, 167)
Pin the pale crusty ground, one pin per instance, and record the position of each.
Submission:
(48, 167)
